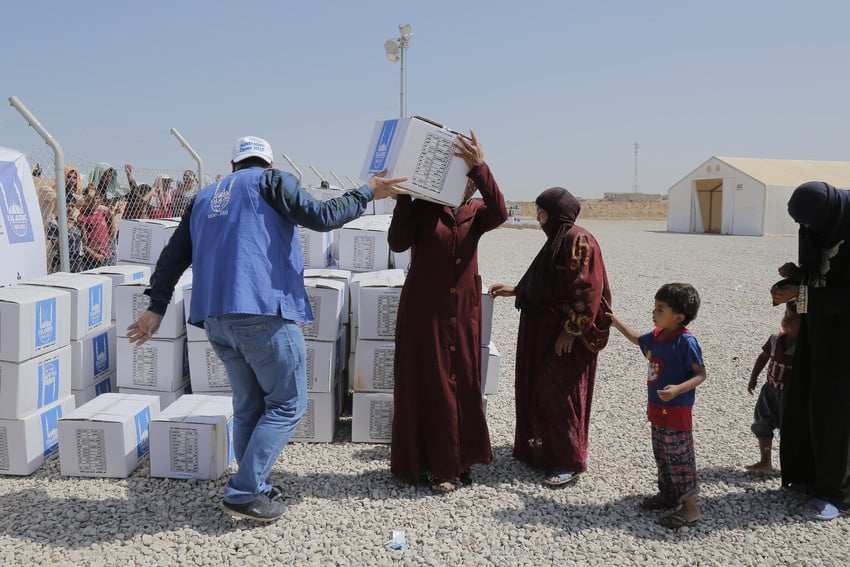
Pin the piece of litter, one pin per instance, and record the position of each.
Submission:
(398, 541)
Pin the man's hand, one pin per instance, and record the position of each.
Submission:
(383, 187)
(144, 328)
(789, 270)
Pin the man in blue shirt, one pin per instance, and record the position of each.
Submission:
(240, 235)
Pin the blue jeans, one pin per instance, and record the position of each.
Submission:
(265, 360)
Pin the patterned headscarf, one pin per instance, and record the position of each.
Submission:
(76, 187)
(825, 211)
(535, 290)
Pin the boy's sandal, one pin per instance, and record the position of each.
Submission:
(561, 479)
(675, 521)
(658, 502)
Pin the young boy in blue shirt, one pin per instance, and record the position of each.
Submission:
(676, 368)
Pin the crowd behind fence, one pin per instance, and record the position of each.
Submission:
(98, 196)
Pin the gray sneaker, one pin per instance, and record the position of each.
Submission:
(262, 509)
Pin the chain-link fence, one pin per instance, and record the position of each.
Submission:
(99, 195)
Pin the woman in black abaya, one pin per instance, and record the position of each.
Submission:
(815, 432)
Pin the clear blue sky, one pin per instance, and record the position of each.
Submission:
(558, 92)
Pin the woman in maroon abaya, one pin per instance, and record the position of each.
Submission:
(562, 327)
(439, 425)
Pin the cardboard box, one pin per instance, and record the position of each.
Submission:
(318, 424)
(421, 150)
(193, 333)
(487, 302)
(93, 357)
(131, 302)
(33, 321)
(26, 442)
(165, 398)
(354, 291)
(104, 385)
(316, 247)
(323, 362)
(142, 240)
(326, 300)
(371, 417)
(91, 300)
(343, 276)
(193, 438)
(121, 274)
(159, 364)
(26, 387)
(491, 363)
(377, 307)
(206, 371)
(363, 245)
(401, 260)
(374, 364)
(107, 437)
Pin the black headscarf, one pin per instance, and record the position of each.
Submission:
(826, 212)
(535, 291)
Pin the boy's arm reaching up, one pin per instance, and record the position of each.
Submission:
(624, 329)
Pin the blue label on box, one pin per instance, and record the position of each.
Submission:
(48, 382)
(103, 387)
(138, 275)
(13, 205)
(142, 419)
(382, 149)
(50, 429)
(45, 322)
(95, 305)
(100, 353)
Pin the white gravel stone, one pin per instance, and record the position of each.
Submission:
(342, 504)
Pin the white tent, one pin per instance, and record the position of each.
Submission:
(745, 196)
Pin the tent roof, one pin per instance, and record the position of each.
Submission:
(791, 172)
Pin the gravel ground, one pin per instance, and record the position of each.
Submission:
(343, 505)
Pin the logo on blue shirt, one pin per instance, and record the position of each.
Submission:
(221, 196)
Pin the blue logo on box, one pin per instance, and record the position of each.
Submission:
(138, 275)
(95, 305)
(45, 322)
(100, 353)
(13, 205)
(142, 442)
(103, 387)
(50, 429)
(48, 382)
(382, 149)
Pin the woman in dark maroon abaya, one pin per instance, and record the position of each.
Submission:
(439, 425)
(814, 448)
(562, 327)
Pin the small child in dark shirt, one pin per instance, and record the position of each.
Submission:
(778, 355)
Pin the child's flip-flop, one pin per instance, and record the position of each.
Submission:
(823, 510)
(561, 479)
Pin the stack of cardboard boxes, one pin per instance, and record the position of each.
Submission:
(35, 374)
